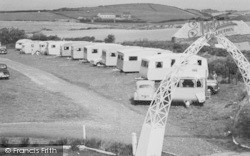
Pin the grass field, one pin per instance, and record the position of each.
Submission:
(38, 26)
(210, 122)
(21, 100)
(30, 16)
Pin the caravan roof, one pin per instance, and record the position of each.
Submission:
(163, 56)
(138, 51)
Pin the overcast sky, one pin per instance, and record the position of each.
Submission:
(54, 4)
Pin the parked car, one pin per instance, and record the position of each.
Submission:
(213, 86)
(144, 90)
(4, 73)
(3, 50)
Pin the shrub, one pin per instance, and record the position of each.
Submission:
(60, 142)
(85, 38)
(4, 142)
(109, 39)
(75, 143)
(25, 142)
(11, 35)
(93, 143)
(120, 149)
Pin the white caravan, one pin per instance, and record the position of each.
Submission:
(96, 58)
(156, 67)
(30, 47)
(192, 86)
(109, 55)
(54, 47)
(66, 49)
(94, 52)
(77, 50)
(20, 42)
(129, 60)
(43, 47)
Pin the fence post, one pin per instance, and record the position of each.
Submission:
(84, 132)
(134, 143)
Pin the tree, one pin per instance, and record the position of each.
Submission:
(11, 35)
(109, 39)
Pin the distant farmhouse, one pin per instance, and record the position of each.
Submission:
(112, 16)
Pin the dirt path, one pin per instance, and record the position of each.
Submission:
(107, 119)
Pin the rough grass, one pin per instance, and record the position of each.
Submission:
(21, 100)
(210, 122)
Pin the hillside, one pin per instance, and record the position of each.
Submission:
(146, 12)
(142, 11)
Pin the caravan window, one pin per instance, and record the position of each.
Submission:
(66, 48)
(199, 62)
(132, 58)
(172, 62)
(187, 83)
(94, 51)
(112, 55)
(199, 83)
(53, 46)
(144, 63)
(78, 49)
(158, 64)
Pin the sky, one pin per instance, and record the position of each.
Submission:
(7, 5)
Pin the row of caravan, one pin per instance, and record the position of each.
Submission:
(151, 63)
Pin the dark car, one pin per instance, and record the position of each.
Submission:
(4, 73)
(3, 50)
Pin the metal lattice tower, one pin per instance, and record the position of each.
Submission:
(153, 130)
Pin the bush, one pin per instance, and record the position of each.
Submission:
(4, 142)
(42, 37)
(60, 142)
(25, 142)
(86, 38)
(120, 149)
(109, 39)
(11, 35)
(75, 143)
(93, 143)
(241, 126)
